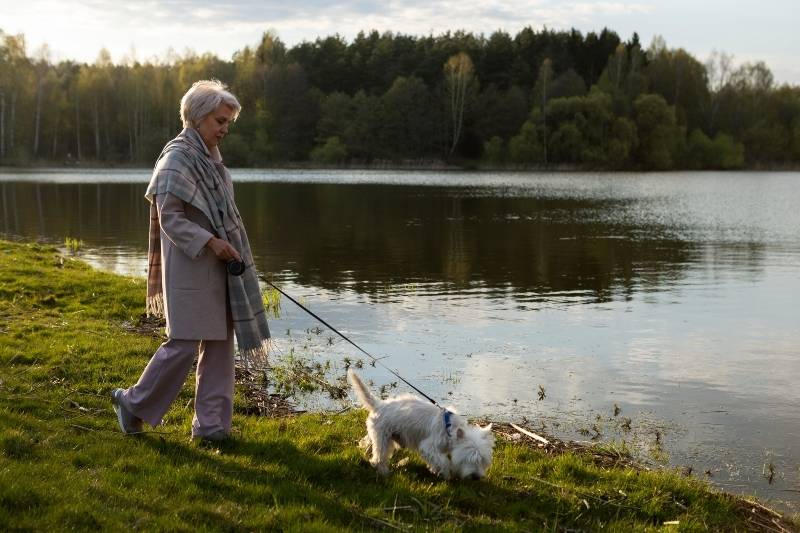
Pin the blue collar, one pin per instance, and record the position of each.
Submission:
(447, 423)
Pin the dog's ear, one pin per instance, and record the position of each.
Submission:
(460, 433)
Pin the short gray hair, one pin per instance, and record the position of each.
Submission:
(203, 98)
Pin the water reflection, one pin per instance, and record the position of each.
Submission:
(379, 240)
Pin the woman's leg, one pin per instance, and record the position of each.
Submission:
(161, 380)
(213, 403)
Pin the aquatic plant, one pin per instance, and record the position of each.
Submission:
(272, 301)
(73, 244)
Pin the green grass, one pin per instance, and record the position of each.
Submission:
(72, 244)
(66, 341)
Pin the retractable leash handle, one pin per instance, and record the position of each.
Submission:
(235, 267)
(342, 335)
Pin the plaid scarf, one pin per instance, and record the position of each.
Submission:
(185, 170)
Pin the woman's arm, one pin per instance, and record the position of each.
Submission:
(188, 236)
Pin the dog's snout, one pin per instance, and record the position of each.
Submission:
(475, 476)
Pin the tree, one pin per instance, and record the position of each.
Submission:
(540, 92)
(623, 77)
(526, 148)
(719, 68)
(567, 143)
(720, 153)
(568, 83)
(407, 130)
(622, 143)
(500, 113)
(497, 61)
(336, 115)
(585, 130)
(333, 152)
(42, 71)
(658, 132)
(794, 143)
(699, 151)
(494, 150)
(291, 111)
(682, 81)
(728, 153)
(363, 136)
(459, 84)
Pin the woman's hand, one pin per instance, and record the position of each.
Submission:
(223, 249)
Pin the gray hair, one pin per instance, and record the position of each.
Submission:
(203, 98)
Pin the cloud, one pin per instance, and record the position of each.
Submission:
(78, 29)
(230, 25)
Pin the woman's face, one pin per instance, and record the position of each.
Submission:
(214, 126)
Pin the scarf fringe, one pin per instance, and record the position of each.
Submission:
(256, 358)
(155, 305)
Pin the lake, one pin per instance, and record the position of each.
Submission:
(660, 309)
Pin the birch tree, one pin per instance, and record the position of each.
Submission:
(459, 85)
(719, 68)
(42, 71)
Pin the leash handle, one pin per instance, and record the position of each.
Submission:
(342, 335)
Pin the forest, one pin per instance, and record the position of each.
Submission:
(537, 99)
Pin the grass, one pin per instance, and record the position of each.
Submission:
(68, 337)
(272, 301)
(72, 244)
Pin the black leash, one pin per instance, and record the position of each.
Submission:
(342, 335)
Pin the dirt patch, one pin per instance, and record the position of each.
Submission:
(259, 400)
(146, 325)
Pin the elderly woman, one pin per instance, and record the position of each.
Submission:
(195, 231)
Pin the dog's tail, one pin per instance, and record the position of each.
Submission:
(362, 392)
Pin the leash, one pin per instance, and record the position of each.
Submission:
(342, 335)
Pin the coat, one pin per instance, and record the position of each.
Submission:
(194, 280)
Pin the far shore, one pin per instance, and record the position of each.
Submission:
(402, 165)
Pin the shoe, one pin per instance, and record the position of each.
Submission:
(217, 436)
(128, 422)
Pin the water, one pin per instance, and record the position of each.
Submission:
(670, 295)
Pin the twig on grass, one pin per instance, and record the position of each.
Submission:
(82, 427)
(384, 523)
(530, 434)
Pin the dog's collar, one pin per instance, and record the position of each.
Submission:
(447, 423)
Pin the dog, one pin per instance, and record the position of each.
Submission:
(449, 445)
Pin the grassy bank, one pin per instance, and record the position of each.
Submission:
(69, 335)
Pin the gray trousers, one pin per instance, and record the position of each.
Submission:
(165, 374)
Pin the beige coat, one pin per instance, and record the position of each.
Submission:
(194, 280)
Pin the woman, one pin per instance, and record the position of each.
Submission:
(195, 229)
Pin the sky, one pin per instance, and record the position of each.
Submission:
(749, 30)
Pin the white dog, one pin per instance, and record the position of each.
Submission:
(449, 445)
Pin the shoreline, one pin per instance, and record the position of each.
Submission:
(438, 166)
(79, 325)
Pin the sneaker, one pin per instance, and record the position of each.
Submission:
(128, 422)
(217, 436)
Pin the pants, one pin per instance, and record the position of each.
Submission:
(166, 372)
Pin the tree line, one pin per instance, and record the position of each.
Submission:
(533, 100)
